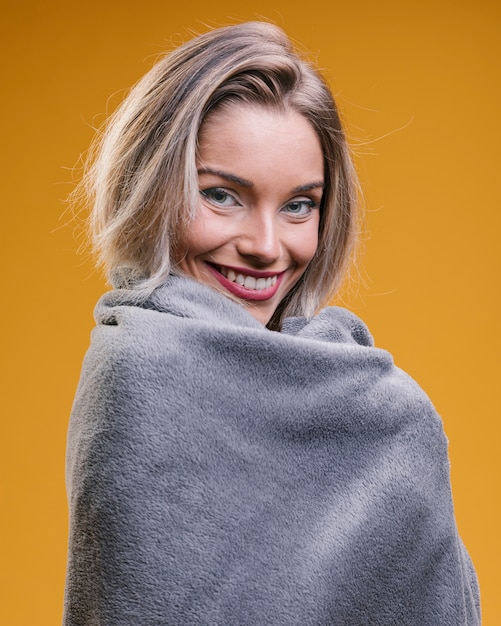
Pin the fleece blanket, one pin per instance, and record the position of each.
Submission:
(220, 473)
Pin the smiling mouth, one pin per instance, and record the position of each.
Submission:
(260, 286)
(249, 282)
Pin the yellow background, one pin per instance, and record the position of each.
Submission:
(418, 83)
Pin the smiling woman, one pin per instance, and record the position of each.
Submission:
(261, 176)
(144, 184)
(238, 454)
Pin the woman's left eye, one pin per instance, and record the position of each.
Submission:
(300, 208)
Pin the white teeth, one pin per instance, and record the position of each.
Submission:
(249, 282)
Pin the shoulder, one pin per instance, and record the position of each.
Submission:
(334, 324)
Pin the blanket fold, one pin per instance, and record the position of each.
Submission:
(220, 473)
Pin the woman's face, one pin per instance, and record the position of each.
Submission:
(261, 179)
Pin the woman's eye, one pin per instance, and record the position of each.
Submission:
(300, 207)
(219, 197)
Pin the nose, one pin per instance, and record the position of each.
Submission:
(260, 239)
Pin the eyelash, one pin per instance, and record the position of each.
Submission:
(209, 195)
(309, 203)
(211, 192)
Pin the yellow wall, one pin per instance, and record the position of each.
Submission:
(419, 85)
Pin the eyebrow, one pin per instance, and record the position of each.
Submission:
(315, 185)
(243, 182)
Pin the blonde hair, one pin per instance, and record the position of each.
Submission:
(143, 182)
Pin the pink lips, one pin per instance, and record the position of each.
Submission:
(240, 290)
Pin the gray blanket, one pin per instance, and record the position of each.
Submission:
(222, 474)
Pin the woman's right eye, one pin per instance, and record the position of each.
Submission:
(219, 197)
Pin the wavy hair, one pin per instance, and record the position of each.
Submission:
(142, 181)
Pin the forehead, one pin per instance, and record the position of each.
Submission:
(230, 117)
(262, 141)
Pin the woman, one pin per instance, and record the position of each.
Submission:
(219, 471)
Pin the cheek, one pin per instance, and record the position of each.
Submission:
(306, 245)
(204, 234)
(194, 239)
